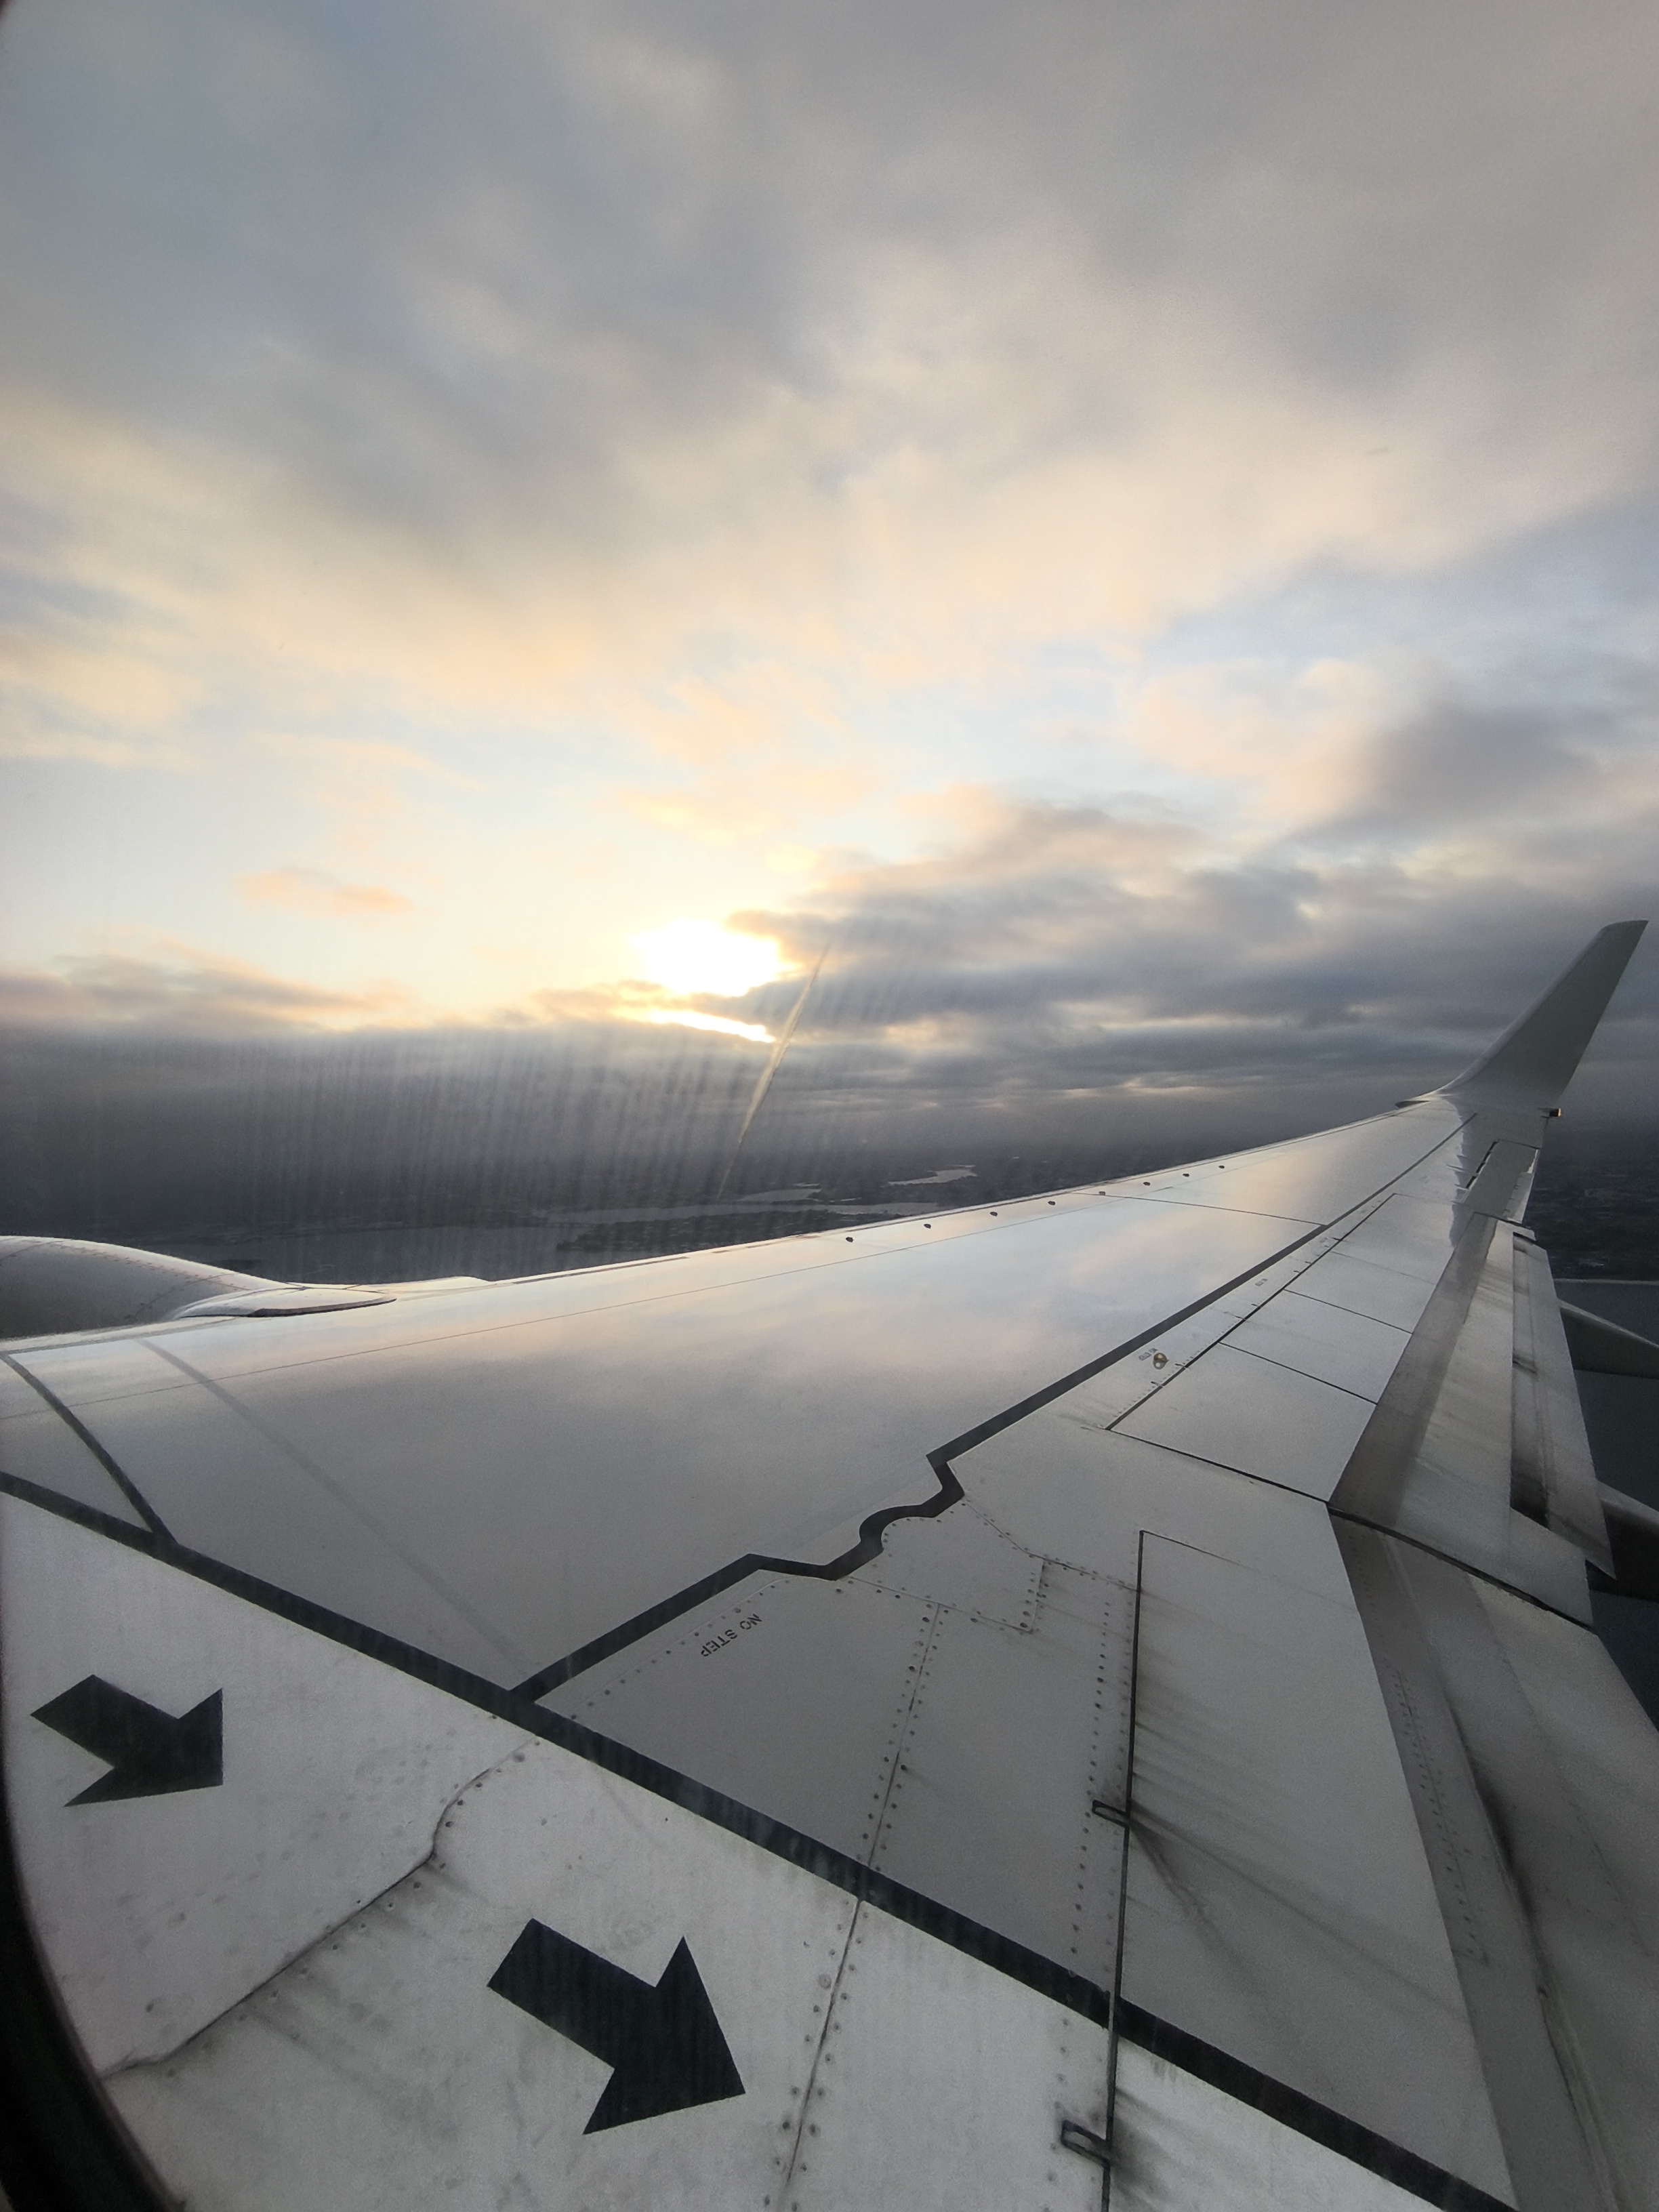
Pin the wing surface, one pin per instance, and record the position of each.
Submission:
(1093, 1691)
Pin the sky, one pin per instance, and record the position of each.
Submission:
(1128, 533)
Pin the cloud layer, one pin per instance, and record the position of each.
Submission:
(1137, 527)
(852, 347)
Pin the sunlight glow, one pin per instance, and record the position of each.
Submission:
(716, 1022)
(688, 956)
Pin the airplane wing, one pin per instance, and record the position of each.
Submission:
(1090, 1697)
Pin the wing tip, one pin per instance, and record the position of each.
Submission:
(1532, 1062)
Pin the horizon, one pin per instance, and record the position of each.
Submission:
(388, 1157)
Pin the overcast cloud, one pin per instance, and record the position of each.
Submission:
(1134, 525)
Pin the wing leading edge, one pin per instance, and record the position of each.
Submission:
(1104, 1679)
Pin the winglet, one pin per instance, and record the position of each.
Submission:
(1532, 1063)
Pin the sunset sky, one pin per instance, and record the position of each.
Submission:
(1135, 526)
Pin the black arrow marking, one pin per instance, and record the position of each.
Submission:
(149, 1753)
(665, 2043)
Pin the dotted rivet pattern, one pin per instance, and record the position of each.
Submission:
(654, 1651)
(798, 2128)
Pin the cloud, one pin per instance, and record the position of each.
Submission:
(179, 989)
(1041, 953)
(1060, 950)
(1469, 797)
(1149, 519)
(312, 890)
(648, 344)
(21, 742)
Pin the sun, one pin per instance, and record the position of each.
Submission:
(691, 959)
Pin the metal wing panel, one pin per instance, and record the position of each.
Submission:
(1394, 1584)
(1315, 1178)
(1127, 1784)
(1278, 1903)
(160, 1911)
(1553, 1477)
(225, 1483)
(1436, 1460)
(34, 1435)
(1258, 1922)
(1452, 1491)
(1579, 1788)
(504, 1476)
(1535, 1781)
(1258, 1417)
(1303, 1332)
(956, 1750)
(1288, 1392)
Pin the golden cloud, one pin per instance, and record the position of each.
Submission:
(312, 890)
